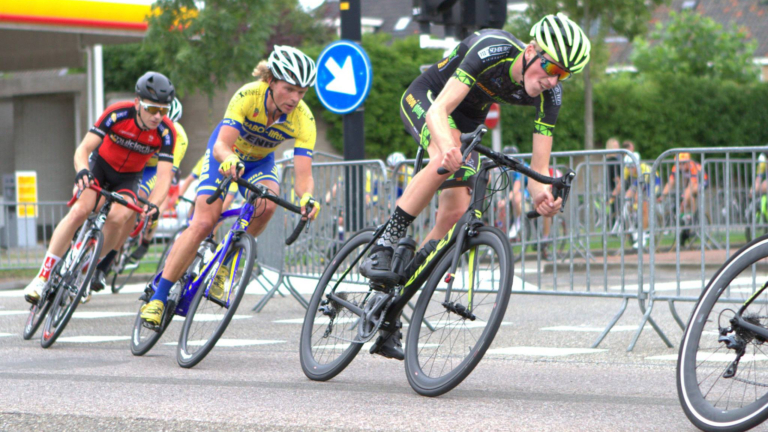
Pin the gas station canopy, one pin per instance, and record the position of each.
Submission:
(43, 34)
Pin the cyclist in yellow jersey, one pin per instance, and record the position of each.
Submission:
(260, 116)
(146, 185)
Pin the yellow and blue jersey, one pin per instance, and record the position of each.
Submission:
(247, 112)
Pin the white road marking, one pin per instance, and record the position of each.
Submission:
(543, 351)
(6, 334)
(211, 317)
(232, 342)
(93, 339)
(592, 329)
(96, 314)
(14, 312)
(322, 320)
(725, 357)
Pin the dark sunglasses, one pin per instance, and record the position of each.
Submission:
(553, 69)
(154, 109)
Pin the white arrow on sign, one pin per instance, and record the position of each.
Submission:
(343, 77)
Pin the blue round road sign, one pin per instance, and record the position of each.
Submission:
(344, 76)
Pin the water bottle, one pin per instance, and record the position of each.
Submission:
(403, 254)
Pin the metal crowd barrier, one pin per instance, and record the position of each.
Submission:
(725, 216)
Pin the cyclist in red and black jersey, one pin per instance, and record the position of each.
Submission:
(454, 96)
(124, 138)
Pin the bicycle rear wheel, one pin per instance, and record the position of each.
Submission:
(72, 287)
(168, 247)
(717, 392)
(326, 347)
(456, 332)
(120, 278)
(207, 318)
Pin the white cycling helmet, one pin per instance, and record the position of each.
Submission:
(175, 112)
(292, 66)
(394, 159)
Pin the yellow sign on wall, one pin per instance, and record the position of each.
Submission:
(26, 194)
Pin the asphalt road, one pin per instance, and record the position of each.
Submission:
(540, 375)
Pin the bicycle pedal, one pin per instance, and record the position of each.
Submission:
(150, 326)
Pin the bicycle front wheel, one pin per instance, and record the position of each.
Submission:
(327, 339)
(72, 287)
(722, 376)
(448, 337)
(208, 317)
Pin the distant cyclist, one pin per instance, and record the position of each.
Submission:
(454, 96)
(690, 175)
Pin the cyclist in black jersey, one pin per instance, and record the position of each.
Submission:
(453, 97)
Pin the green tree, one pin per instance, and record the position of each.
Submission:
(598, 18)
(166, 50)
(395, 65)
(695, 45)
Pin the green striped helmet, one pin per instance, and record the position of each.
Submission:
(564, 40)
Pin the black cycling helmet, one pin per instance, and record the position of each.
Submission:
(156, 87)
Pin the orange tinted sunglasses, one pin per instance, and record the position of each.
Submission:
(553, 69)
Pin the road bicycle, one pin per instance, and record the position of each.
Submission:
(70, 280)
(207, 317)
(467, 278)
(123, 267)
(722, 376)
(184, 226)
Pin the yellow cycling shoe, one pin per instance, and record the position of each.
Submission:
(220, 287)
(152, 312)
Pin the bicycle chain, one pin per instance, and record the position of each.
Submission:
(375, 330)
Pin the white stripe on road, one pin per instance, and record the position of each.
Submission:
(6, 334)
(543, 351)
(14, 312)
(591, 329)
(93, 339)
(714, 357)
(96, 314)
(211, 317)
(232, 342)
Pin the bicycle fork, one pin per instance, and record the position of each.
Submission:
(456, 307)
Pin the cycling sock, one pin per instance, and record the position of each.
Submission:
(145, 242)
(396, 228)
(107, 261)
(48, 263)
(163, 288)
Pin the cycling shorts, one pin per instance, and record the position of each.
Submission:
(413, 110)
(255, 171)
(108, 178)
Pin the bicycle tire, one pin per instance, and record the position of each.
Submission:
(119, 265)
(38, 312)
(702, 384)
(144, 339)
(188, 358)
(59, 314)
(116, 287)
(316, 361)
(419, 349)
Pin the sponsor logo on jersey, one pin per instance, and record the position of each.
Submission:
(229, 122)
(557, 95)
(494, 51)
(485, 89)
(113, 117)
(255, 112)
(166, 132)
(132, 145)
(411, 100)
(151, 138)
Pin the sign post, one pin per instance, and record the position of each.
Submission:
(344, 79)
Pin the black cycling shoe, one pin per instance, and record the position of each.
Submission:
(377, 267)
(139, 252)
(389, 344)
(99, 280)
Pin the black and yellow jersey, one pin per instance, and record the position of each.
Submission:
(483, 61)
(247, 112)
(182, 142)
